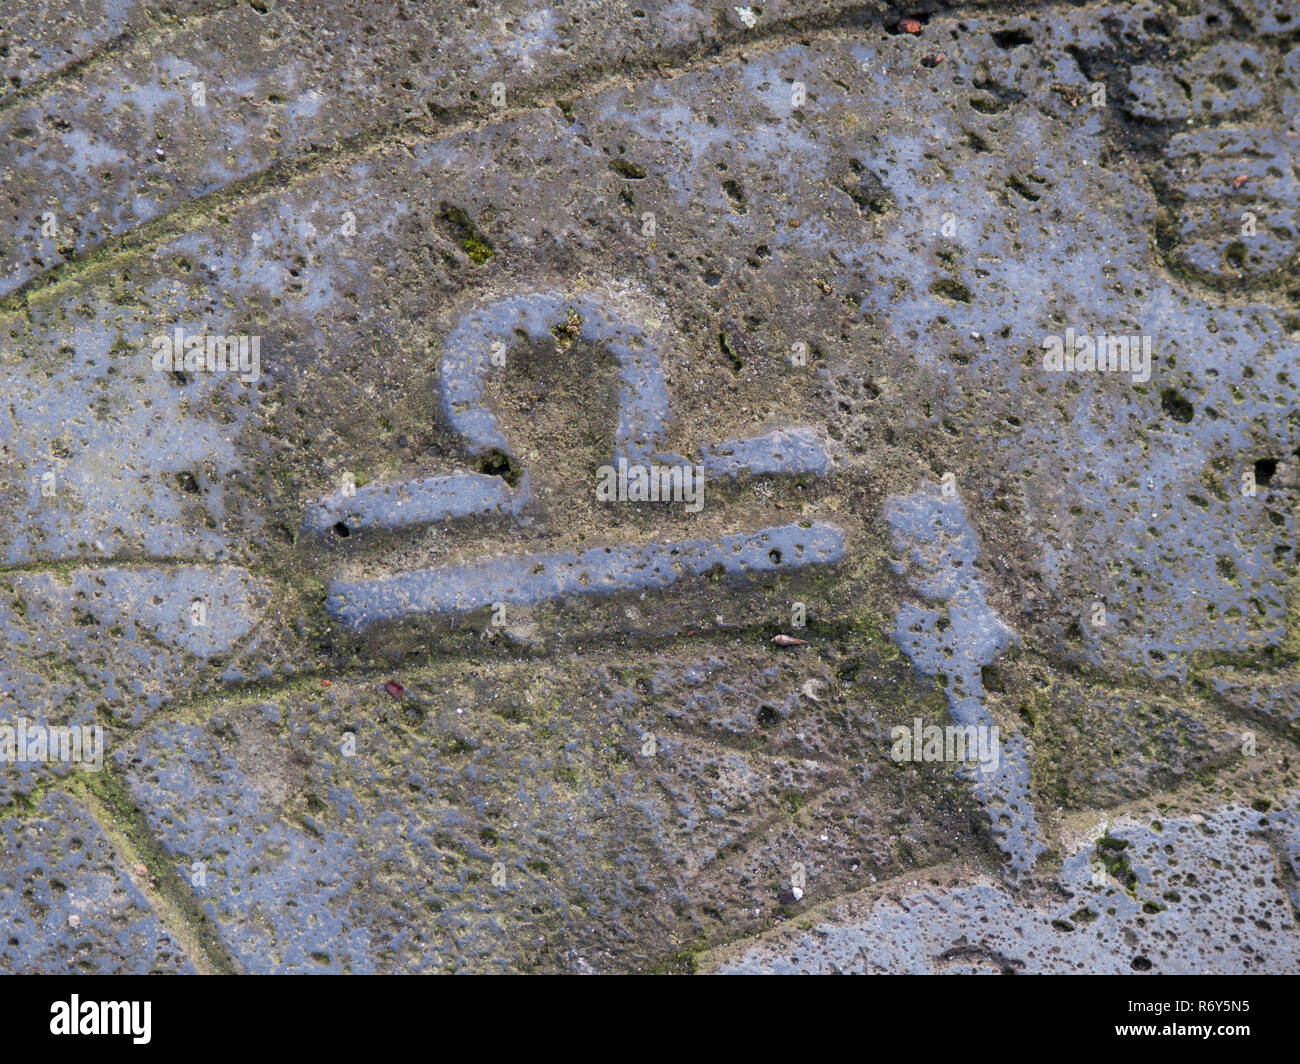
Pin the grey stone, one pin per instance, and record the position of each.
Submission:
(69, 908)
(1205, 897)
(536, 578)
(674, 198)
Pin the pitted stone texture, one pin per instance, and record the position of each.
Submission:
(69, 908)
(538, 578)
(1100, 744)
(384, 860)
(789, 451)
(126, 142)
(957, 226)
(45, 38)
(412, 502)
(200, 610)
(274, 887)
(1228, 189)
(1240, 203)
(910, 224)
(820, 723)
(1284, 834)
(134, 635)
(1270, 16)
(115, 644)
(1270, 696)
(643, 405)
(957, 637)
(104, 455)
(29, 693)
(793, 160)
(797, 159)
(1206, 897)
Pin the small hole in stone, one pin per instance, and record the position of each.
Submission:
(499, 464)
(1176, 406)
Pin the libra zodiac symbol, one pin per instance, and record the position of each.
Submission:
(473, 347)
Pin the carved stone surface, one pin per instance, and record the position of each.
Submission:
(386, 682)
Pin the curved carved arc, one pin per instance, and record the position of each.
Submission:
(467, 359)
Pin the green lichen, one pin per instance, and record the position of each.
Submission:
(1111, 852)
(471, 239)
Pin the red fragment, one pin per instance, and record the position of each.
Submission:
(1237, 182)
(909, 25)
(788, 641)
(394, 688)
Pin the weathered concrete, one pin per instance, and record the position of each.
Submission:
(817, 255)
